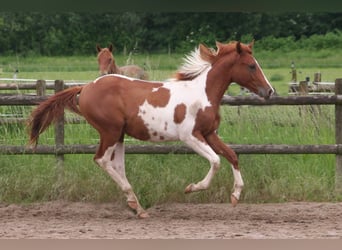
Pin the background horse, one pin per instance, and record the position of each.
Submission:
(107, 65)
(185, 108)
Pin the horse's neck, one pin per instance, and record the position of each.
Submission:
(114, 69)
(216, 85)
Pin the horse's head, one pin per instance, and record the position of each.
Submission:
(245, 70)
(105, 59)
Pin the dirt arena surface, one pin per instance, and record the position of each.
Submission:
(77, 220)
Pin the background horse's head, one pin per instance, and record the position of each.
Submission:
(106, 60)
(245, 70)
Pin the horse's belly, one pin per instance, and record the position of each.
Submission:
(167, 123)
(162, 130)
(155, 129)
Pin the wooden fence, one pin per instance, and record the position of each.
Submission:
(307, 88)
(59, 149)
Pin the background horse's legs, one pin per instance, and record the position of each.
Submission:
(113, 163)
(200, 147)
(221, 148)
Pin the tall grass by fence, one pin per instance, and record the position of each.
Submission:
(59, 149)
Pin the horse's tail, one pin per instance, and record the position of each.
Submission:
(50, 110)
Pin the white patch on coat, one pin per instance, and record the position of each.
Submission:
(190, 93)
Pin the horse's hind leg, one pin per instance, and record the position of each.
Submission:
(221, 148)
(119, 167)
(112, 161)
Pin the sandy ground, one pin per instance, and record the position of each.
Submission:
(68, 220)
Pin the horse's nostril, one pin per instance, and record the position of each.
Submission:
(266, 93)
(270, 92)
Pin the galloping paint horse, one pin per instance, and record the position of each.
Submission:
(107, 65)
(185, 108)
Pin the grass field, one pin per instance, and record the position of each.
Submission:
(162, 178)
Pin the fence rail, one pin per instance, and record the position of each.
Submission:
(175, 149)
(28, 100)
(59, 149)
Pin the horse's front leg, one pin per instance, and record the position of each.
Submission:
(113, 163)
(198, 144)
(221, 148)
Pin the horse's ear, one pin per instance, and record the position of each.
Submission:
(110, 47)
(238, 47)
(251, 44)
(218, 46)
(98, 48)
(206, 53)
(203, 49)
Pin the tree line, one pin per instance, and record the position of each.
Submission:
(77, 33)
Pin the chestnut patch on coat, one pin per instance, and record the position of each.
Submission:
(138, 129)
(206, 122)
(159, 98)
(179, 114)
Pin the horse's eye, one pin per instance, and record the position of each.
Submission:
(252, 67)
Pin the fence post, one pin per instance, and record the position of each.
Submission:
(41, 87)
(338, 138)
(317, 77)
(59, 130)
(303, 88)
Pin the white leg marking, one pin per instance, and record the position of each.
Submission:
(119, 160)
(238, 183)
(119, 167)
(207, 152)
(109, 166)
(116, 170)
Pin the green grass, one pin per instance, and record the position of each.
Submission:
(84, 67)
(283, 177)
(162, 178)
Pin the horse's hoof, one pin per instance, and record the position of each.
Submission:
(143, 215)
(188, 189)
(132, 204)
(233, 200)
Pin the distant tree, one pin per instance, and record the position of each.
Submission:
(72, 33)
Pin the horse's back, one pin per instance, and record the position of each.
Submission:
(111, 103)
(99, 101)
(134, 71)
(113, 95)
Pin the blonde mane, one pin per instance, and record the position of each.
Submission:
(192, 66)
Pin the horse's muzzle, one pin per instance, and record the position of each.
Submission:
(266, 92)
